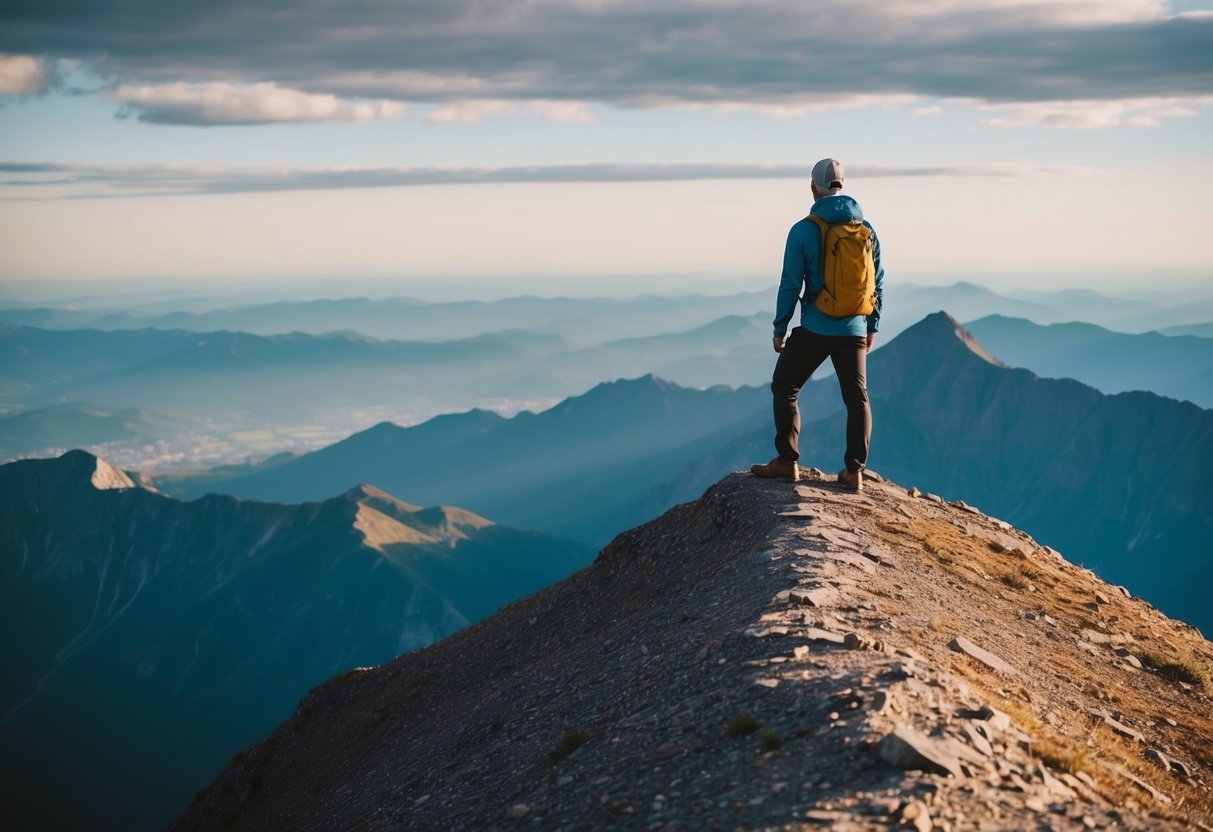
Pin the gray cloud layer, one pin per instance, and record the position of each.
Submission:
(635, 52)
(57, 181)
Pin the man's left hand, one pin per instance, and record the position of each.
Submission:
(777, 342)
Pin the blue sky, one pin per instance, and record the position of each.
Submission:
(1024, 141)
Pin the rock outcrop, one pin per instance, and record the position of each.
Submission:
(769, 656)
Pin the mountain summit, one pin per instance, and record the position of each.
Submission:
(768, 656)
(942, 336)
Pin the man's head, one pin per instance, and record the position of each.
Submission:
(828, 176)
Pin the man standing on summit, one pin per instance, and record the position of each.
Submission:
(831, 265)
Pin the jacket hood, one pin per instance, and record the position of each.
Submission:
(838, 208)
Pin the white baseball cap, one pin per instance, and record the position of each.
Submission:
(828, 175)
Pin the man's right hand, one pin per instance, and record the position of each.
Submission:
(777, 342)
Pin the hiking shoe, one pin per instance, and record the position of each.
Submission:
(851, 480)
(777, 469)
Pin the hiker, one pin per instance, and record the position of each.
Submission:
(839, 286)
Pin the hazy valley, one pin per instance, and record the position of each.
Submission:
(208, 396)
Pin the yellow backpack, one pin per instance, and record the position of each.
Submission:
(847, 268)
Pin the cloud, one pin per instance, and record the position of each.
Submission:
(469, 112)
(567, 112)
(475, 111)
(781, 56)
(51, 180)
(1092, 115)
(220, 102)
(24, 75)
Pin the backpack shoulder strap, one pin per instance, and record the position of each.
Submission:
(824, 226)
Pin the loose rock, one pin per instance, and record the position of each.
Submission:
(1158, 758)
(906, 748)
(1117, 726)
(816, 597)
(963, 645)
(915, 812)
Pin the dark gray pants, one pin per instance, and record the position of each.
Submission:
(803, 352)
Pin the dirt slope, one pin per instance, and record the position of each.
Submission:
(771, 656)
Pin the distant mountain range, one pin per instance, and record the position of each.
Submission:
(576, 469)
(34, 431)
(145, 639)
(589, 320)
(227, 386)
(907, 304)
(218, 371)
(595, 320)
(1179, 366)
(1122, 483)
(1204, 330)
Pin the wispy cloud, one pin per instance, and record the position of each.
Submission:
(75, 181)
(1093, 115)
(220, 102)
(474, 111)
(785, 56)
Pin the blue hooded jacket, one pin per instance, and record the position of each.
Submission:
(802, 263)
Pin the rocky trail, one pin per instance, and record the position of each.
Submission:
(771, 656)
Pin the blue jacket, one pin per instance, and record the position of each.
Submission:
(802, 262)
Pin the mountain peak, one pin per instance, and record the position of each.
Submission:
(765, 653)
(364, 491)
(79, 465)
(938, 332)
(624, 388)
(384, 520)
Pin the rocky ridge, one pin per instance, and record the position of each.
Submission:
(768, 657)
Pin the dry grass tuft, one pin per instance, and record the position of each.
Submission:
(1014, 580)
(1060, 757)
(1184, 668)
(933, 545)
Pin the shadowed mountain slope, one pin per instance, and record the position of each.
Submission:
(770, 656)
(566, 470)
(145, 639)
(1179, 366)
